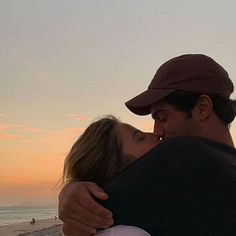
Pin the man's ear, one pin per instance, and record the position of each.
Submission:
(203, 108)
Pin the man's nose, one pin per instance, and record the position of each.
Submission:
(159, 131)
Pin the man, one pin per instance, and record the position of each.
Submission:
(186, 185)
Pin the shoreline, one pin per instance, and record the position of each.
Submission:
(41, 227)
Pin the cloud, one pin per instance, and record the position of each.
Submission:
(8, 136)
(60, 140)
(64, 135)
(3, 115)
(4, 127)
(76, 130)
(26, 129)
(27, 134)
(13, 131)
(26, 179)
(26, 185)
(77, 117)
(3, 132)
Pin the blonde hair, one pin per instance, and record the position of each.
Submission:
(97, 155)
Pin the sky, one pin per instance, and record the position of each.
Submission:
(65, 63)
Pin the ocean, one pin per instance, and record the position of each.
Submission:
(18, 214)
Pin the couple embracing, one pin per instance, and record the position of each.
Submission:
(178, 180)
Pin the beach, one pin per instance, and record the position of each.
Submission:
(43, 227)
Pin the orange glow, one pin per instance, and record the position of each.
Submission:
(30, 168)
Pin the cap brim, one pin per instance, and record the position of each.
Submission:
(141, 104)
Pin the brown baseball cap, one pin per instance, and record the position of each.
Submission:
(189, 72)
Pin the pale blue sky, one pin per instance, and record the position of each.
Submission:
(88, 57)
(63, 63)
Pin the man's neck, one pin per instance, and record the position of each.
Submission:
(219, 134)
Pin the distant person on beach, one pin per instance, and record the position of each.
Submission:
(33, 221)
(187, 184)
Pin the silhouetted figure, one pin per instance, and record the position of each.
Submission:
(33, 221)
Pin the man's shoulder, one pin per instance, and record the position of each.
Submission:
(181, 182)
(190, 141)
(194, 146)
(177, 157)
(185, 152)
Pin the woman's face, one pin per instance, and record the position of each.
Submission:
(135, 142)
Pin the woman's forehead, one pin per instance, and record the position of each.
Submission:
(125, 128)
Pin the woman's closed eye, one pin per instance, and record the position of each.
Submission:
(139, 135)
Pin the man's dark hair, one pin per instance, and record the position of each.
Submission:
(185, 101)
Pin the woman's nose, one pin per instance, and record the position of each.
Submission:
(152, 137)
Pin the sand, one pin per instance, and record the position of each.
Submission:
(46, 227)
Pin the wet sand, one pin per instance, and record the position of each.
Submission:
(50, 227)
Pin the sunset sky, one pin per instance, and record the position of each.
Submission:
(64, 63)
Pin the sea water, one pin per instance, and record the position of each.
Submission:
(18, 214)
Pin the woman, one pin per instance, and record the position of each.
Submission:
(105, 148)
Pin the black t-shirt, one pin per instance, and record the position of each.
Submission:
(184, 186)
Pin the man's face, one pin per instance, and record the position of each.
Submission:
(170, 123)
